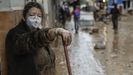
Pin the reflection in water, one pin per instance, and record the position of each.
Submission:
(115, 43)
(74, 41)
(82, 58)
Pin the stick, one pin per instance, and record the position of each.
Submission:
(67, 59)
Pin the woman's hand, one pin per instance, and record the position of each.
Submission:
(66, 36)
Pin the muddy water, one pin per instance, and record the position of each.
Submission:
(82, 59)
(81, 54)
(117, 58)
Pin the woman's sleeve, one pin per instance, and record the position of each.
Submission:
(30, 42)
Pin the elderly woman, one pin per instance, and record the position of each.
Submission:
(28, 47)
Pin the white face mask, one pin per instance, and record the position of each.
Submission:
(34, 22)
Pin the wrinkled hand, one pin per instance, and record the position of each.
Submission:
(66, 36)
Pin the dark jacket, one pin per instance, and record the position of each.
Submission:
(28, 51)
(115, 13)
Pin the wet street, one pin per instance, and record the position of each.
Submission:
(82, 58)
(115, 59)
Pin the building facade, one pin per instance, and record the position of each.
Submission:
(124, 5)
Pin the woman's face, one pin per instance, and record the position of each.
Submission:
(34, 12)
(34, 18)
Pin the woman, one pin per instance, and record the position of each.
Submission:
(28, 47)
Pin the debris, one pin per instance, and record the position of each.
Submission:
(132, 61)
(114, 56)
(128, 65)
(95, 30)
(90, 32)
(123, 52)
(61, 63)
(130, 11)
(97, 71)
(106, 60)
(102, 52)
(99, 46)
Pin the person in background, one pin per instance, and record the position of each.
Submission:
(96, 10)
(76, 13)
(27, 45)
(62, 14)
(115, 14)
(67, 11)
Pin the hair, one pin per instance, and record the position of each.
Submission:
(30, 5)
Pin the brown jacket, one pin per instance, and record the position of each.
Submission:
(28, 51)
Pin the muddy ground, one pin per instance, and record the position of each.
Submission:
(115, 59)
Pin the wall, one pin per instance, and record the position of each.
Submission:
(8, 19)
(4, 5)
(17, 4)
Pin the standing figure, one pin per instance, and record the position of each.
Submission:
(115, 14)
(67, 11)
(27, 45)
(62, 14)
(76, 13)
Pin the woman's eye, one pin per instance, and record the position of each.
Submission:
(31, 15)
(39, 16)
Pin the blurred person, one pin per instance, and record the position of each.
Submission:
(76, 13)
(115, 14)
(62, 14)
(96, 11)
(27, 45)
(67, 11)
